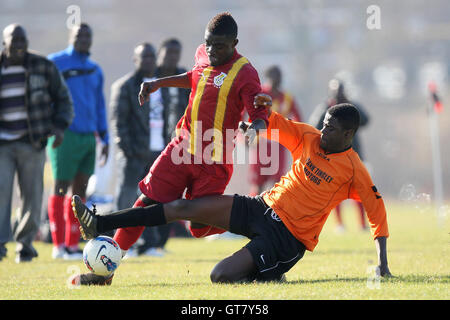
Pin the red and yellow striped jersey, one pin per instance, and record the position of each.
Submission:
(218, 96)
(318, 182)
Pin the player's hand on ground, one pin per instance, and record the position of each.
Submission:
(147, 88)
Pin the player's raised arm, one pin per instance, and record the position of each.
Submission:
(286, 132)
(148, 87)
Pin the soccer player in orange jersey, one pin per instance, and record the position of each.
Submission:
(198, 162)
(286, 220)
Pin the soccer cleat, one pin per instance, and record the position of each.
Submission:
(90, 279)
(26, 255)
(87, 218)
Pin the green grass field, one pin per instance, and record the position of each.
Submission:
(339, 268)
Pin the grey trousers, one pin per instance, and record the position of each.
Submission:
(28, 163)
(129, 172)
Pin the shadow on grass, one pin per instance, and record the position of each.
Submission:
(344, 251)
(165, 285)
(395, 279)
(139, 260)
(334, 279)
(400, 279)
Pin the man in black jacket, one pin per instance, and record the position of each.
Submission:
(131, 125)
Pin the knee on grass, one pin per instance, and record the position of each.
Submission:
(222, 275)
(219, 276)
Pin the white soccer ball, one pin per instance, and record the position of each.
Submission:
(102, 255)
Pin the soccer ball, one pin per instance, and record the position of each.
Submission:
(102, 255)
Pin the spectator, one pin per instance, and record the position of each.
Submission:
(175, 100)
(73, 162)
(337, 95)
(34, 104)
(285, 104)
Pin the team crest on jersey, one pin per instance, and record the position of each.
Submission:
(218, 80)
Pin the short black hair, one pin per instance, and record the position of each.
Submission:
(223, 24)
(347, 115)
(82, 25)
(145, 45)
(170, 42)
(336, 88)
(85, 25)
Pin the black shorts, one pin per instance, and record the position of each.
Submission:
(274, 249)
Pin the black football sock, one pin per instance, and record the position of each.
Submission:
(149, 216)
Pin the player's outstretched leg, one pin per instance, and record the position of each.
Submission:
(87, 218)
(211, 210)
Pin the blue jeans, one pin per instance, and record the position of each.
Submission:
(28, 163)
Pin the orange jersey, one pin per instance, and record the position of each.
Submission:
(318, 182)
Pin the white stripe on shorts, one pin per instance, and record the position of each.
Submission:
(278, 262)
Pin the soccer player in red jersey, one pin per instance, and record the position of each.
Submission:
(199, 159)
